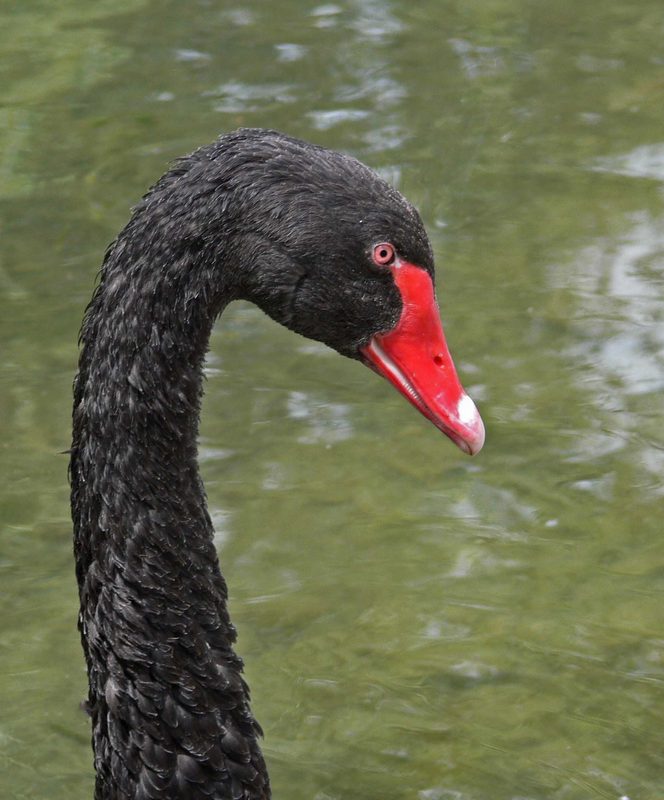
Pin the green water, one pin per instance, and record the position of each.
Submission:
(415, 624)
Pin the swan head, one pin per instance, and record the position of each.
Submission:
(330, 250)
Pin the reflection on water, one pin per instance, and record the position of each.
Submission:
(239, 98)
(619, 285)
(328, 422)
(646, 161)
(619, 346)
(415, 624)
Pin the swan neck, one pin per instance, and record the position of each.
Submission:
(166, 695)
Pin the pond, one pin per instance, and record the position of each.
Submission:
(414, 623)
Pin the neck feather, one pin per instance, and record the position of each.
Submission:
(169, 707)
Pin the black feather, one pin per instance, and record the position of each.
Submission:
(255, 215)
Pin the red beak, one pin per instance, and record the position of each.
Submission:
(414, 358)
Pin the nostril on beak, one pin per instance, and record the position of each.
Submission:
(438, 360)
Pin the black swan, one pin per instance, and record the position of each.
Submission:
(328, 249)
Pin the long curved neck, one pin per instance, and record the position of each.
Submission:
(169, 707)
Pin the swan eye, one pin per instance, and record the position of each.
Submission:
(383, 254)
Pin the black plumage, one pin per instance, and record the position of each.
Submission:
(255, 215)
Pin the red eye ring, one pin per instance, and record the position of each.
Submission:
(384, 254)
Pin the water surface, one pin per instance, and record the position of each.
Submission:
(415, 624)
